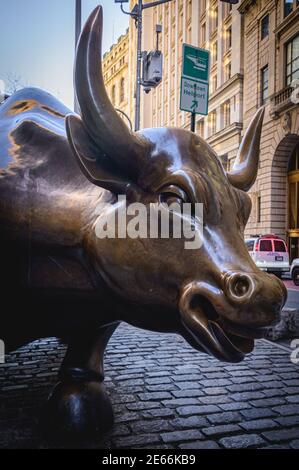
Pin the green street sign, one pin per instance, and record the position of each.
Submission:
(195, 63)
(195, 80)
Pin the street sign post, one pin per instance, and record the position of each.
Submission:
(195, 82)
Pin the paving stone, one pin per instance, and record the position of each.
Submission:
(242, 441)
(175, 402)
(246, 396)
(136, 440)
(286, 410)
(200, 445)
(154, 396)
(190, 422)
(183, 435)
(221, 430)
(288, 420)
(295, 444)
(267, 402)
(152, 426)
(215, 383)
(215, 390)
(258, 424)
(282, 435)
(293, 399)
(187, 393)
(234, 406)
(160, 412)
(191, 410)
(214, 399)
(225, 417)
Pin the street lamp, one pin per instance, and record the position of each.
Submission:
(136, 14)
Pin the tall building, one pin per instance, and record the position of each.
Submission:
(212, 25)
(116, 74)
(271, 64)
(254, 49)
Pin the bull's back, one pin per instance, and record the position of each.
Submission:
(38, 173)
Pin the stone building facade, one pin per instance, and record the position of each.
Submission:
(116, 75)
(210, 24)
(254, 60)
(271, 64)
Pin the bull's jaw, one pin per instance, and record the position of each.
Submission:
(221, 342)
(211, 338)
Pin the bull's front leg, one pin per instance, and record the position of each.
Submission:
(79, 406)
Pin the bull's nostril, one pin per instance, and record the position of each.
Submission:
(239, 286)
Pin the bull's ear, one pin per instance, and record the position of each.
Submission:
(95, 164)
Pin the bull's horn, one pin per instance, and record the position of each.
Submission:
(244, 171)
(102, 122)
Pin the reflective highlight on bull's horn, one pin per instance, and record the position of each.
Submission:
(244, 171)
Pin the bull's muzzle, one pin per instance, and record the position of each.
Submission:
(225, 320)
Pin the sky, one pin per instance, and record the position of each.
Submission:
(37, 41)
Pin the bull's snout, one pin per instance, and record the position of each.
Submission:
(258, 297)
(226, 319)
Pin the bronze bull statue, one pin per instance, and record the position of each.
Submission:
(59, 279)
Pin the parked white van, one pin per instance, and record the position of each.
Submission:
(269, 253)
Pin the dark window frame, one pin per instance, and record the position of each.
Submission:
(265, 27)
(264, 84)
(291, 63)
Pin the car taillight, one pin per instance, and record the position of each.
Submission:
(257, 247)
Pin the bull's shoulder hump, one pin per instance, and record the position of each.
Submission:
(33, 105)
(33, 98)
(31, 117)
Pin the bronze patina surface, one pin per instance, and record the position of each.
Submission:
(60, 279)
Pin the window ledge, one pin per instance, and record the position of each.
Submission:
(224, 133)
(291, 18)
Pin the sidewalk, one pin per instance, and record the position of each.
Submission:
(165, 395)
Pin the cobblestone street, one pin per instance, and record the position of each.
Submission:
(165, 395)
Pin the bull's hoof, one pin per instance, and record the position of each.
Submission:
(77, 411)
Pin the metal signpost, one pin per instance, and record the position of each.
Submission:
(195, 82)
(136, 14)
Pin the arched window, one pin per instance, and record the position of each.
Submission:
(113, 95)
(122, 90)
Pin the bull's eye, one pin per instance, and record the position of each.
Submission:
(173, 195)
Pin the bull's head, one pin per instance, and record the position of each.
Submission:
(214, 296)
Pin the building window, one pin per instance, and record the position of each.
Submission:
(227, 8)
(226, 114)
(259, 209)
(212, 123)
(264, 84)
(203, 33)
(214, 52)
(122, 90)
(214, 83)
(292, 60)
(289, 6)
(265, 27)
(227, 71)
(228, 38)
(215, 19)
(113, 95)
(201, 128)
